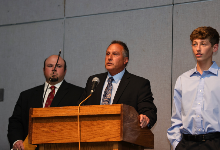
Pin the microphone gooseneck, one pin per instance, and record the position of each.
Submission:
(95, 82)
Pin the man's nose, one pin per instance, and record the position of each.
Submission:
(109, 57)
(54, 69)
(198, 48)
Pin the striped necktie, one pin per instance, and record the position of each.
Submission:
(50, 97)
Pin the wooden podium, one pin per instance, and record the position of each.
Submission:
(102, 127)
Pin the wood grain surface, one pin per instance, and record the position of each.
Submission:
(92, 146)
(98, 123)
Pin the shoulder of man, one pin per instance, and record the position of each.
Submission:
(70, 85)
(100, 75)
(33, 89)
(135, 77)
(187, 73)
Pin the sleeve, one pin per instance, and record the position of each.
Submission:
(145, 103)
(15, 126)
(173, 133)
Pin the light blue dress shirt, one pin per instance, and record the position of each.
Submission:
(196, 104)
(115, 84)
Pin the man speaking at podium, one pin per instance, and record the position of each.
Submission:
(56, 92)
(118, 86)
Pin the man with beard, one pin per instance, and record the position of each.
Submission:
(56, 92)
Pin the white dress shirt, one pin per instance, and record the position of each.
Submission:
(48, 90)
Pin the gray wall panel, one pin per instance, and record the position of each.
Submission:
(23, 51)
(150, 44)
(186, 19)
(185, 1)
(86, 7)
(20, 11)
(145, 25)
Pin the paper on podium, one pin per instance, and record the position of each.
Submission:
(28, 146)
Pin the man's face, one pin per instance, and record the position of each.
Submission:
(114, 59)
(203, 50)
(56, 75)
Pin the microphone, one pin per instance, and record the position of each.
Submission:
(95, 82)
(54, 69)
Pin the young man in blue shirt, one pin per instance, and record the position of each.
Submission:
(196, 106)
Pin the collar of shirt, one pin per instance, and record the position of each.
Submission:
(117, 77)
(213, 69)
(56, 85)
(115, 84)
(47, 91)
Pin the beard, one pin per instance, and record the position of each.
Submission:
(54, 79)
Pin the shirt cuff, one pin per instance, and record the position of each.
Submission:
(15, 142)
(175, 143)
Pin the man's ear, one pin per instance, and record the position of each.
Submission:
(125, 60)
(65, 72)
(215, 48)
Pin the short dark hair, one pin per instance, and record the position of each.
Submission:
(125, 48)
(204, 33)
(64, 64)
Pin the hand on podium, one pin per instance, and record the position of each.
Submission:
(23, 145)
(144, 120)
(18, 145)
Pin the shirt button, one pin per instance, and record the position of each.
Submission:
(199, 103)
(200, 91)
(199, 129)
